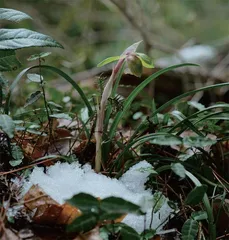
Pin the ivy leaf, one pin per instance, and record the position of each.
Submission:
(189, 230)
(196, 195)
(7, 125)
(8, 61)
(83, 223)
(12, 15)
(23, 38)
(109, 60)
(178, 169)
(33, 98)
(146, 61)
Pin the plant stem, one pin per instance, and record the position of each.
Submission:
(101, 113)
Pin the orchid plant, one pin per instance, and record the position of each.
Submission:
(135, 62)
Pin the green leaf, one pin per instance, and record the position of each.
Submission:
(197, 141)
(109, 60)
(17, 154)
(167, 140)
(33, 98)
(131, 49)
(85, 202)
(83, 223)
(128, 233)
(12, 15)
(33, 77)
(8, 61)
(159, 200)
(135, 92)
(146, 61)
(61, 115)
(178, 169)
(196, 195)
(196, 105)
(23, 38)
(189, 230)
(199, 216)
(148, 234)
(7, 125)
(38, 56)
(109, 216)
(119, 205)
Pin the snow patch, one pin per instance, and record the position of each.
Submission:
(63, 180)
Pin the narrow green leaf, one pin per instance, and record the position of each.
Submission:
(33, 98)
(12, 15)
(196, 195)
(23, 38)
(197, 141)
(109, 60)
(8, 61)
(7, 125)
(136, 91)
(178, 169)
(17, 154)
(189, 230)
(85, 202)
(167, 140)
(83, 223)
(146, 61)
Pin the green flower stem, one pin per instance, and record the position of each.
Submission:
(101, 113)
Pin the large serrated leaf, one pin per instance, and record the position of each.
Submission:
(189, 230)
(7, 125)
(24, 38)
(12, 15)
(8, 61)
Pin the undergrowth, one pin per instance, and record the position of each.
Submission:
(185, 141)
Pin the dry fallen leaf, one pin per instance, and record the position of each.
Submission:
(48, 211)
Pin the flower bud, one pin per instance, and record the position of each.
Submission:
(134, 64)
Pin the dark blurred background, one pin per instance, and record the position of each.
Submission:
(172, 32)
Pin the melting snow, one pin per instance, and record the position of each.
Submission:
(63, 180)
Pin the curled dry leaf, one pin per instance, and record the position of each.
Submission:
(48, 211)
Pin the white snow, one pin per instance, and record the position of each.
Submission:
(63, 180)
